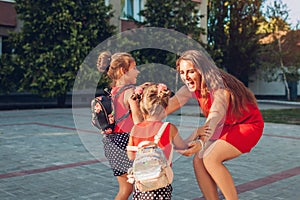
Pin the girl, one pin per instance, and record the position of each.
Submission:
(121, 69)
(154, 100)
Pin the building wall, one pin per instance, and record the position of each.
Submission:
(263, 88)
(8, 20)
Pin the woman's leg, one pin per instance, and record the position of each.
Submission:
(213, 160)
(125, 188)
(205, 181)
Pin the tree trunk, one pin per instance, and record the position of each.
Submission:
(283, 71)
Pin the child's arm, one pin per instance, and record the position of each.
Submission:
(176, 139)
(130, 153)
(201, 131)
(193, 145)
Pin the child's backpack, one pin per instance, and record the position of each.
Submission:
(103, 113)
(151, 170)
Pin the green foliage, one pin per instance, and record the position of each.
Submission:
(277, 15)
(280, 52)
(9, 75)
(232, 33)
(179, 15)
(55, 38)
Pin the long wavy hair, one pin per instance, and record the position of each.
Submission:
(214, 78)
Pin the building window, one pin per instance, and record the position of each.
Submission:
(131, 9)
(5, 47)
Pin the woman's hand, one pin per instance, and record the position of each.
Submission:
(194, 147)
(203, 132)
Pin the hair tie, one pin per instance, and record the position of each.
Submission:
(138, 90)
(137, 94)
(161, 89)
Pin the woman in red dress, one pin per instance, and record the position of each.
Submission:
(232, 115)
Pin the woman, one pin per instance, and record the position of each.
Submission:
(121, 69)
(232, 115)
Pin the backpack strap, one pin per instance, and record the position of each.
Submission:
(132, 148)
(158, 136)
(160, 132)
(156, 139)
(125, 87)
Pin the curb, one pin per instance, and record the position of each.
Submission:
(288, 103)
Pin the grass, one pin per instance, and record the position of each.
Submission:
(282, 116)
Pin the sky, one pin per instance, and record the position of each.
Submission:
(294, 10)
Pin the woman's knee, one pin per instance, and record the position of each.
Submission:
(210, 162)
(199, 167)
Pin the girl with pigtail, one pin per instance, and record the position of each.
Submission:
(121, 69)
(154, 100)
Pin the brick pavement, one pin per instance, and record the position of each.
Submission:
(56, 154)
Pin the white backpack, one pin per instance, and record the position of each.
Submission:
(151, 170)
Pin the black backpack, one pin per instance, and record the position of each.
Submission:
(103, 114)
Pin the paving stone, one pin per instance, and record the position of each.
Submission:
(57, 154)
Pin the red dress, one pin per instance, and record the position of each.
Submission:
(146, 130)
(126, 124)
(243, 132)
(115, 143)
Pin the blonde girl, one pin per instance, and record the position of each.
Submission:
(153, 103)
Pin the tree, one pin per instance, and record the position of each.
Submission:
(280, 50)
(54, 40)
(180, 15)
(9, 76)
(216, 33)
(232, 31)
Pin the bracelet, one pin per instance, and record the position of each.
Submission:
(202, 144)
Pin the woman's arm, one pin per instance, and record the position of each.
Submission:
(217, 113)
(179, 99)
(214, 122)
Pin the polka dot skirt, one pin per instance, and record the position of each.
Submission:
(115, 151)
(164, 193)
